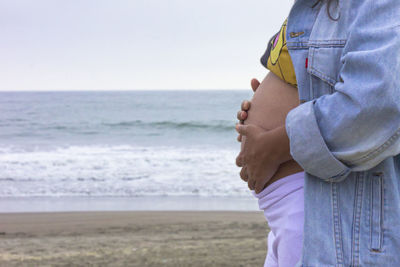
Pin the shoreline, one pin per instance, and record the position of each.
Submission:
(134, 238)
(148, 203)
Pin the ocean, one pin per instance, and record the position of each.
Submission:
(120, 145)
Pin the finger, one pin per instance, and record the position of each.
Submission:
(241, 129)
(239, 138)
(251, 183)
(259, 186)
(241, 115)
(243, 174)
(254, 84)
(245, 105)
(236, 127)
(239, 160)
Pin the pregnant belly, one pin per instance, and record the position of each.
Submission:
(270, 104)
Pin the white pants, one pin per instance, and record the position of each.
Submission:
(283, 206)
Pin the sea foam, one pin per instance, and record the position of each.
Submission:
(122, 170)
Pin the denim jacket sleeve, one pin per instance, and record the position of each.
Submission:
(358, 125)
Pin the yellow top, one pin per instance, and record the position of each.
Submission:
(277, 58)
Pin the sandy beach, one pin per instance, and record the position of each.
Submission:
(133, 238)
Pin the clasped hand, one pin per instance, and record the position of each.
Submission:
(263, 151)
(261, 155)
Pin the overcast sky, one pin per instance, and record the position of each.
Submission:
(135, 44)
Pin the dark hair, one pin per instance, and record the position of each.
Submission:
(328, 6)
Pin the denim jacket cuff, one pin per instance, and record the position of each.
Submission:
(308, 147)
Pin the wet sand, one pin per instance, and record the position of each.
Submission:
(133, 238)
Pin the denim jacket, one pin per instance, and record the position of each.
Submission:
(346, 131)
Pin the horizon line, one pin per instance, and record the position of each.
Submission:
(120, 90)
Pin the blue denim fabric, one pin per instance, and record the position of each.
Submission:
(346, 132)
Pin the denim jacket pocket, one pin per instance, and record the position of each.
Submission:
(376, 211)
(323, 65)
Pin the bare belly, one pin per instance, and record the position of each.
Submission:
(270, 104)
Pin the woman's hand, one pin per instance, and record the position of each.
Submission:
(262, 154)
(242, 115)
